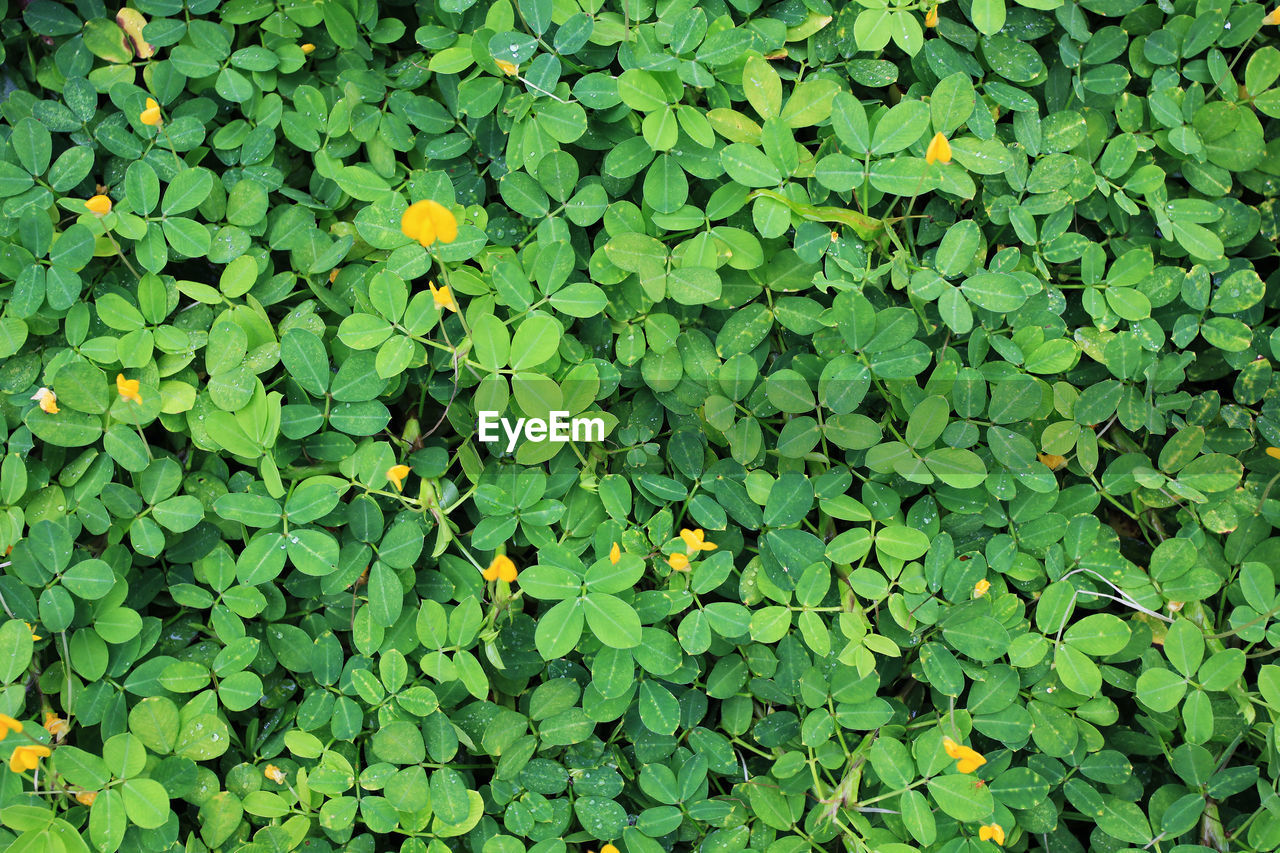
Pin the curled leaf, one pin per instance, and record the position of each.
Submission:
(132, 22)
(864, 226)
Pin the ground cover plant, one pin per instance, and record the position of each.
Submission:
(934, 346)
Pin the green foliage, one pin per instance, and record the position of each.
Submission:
(984, 442)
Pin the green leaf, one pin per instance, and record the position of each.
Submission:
(762, 87)
(559, 629)
(535, 340)
(963, 797)
(187, 191)
(1160, 689)
(611, 620)
(749, 166)
(1098, 635)
(988, 16)
(17, 645)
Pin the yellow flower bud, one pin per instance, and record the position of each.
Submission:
(396, 474)
(48, 401)
(939, 150)
(151, 115)
(99, 204)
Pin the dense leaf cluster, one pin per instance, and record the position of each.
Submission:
(933, 345)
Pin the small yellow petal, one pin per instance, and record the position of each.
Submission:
(151, 114)
(502, 568)
(396, 474)
(991, 832)
(415, 222)
(696, 540)
(27, 757)
(54, 724)
(967, 758)
(443, 296)
(510, 69)
(981, 588)
(1273, 452)
(443, 222)
(308, 48)
(99, 204)
(48, 401)
(1052, 461)
(939, 150)
(128, 388)
(931, 17)
(1272, 17)
(615, 554)
(679, 562)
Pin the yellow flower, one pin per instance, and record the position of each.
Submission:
(445, 223)
(416, 224)
(48, 401)
(396, 474)
(608, 848)
(99, 205)
(308, 48)
(1052, 461)
(128, 388)
(931, 17)
(9, 724)
(508, 68)
(615, 554)
(54, 724)
(981, 588)
(679, 562)
(443, 296)
(1273, 452)
(967, 760)
(991, 832)
(502, 568)
(427, 221)
(151, 115)
(32, 629)
(333, 274)
(275, 774)
(939, 150)
(1272, 17)
(86, 798)
(27, 757)
(696, 540)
